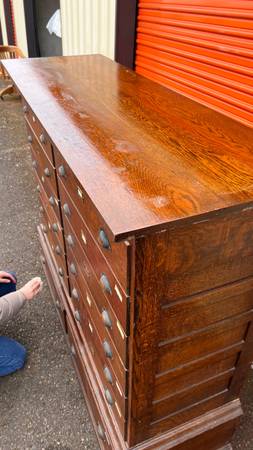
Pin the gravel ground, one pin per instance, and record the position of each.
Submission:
(41, 407)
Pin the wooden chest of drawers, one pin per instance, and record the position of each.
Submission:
(147, 243)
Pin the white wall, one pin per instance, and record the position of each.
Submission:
(19, 18)
(88, 26)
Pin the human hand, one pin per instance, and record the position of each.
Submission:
(32, 288)
(6, 277)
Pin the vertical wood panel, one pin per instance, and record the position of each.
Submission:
(201, 49)
(88, 26)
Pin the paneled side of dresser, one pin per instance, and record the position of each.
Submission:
(191, 324)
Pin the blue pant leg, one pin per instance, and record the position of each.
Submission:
(6, 288)
(12, 356)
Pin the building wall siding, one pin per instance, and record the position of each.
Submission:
(89, 27)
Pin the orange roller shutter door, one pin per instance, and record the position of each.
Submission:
(202, 49)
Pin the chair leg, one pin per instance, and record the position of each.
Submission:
(7, 90)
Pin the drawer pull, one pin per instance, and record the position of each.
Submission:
(107, 349)
(51, 201)
(66, 209)
(41, 209)
(73, 351)
(77, 315)
(105, 284)
(34, 164)
(106, 319)
(73, 268)
(30, 138)
(25, 108)
(62, 171)
(55, 227)
(42, 138)
(43, 260)
(60, 272)
(44, 228)
(101, 433)
(74, 294)
(79, 192)
(33, 118)
(108, 397)
(38, 188)
(70, 240)
(58, 250)
(108, 375)
(103, 239)
(47, 172)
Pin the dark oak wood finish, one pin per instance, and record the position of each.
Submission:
(159, 325)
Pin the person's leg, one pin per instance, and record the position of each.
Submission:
(6, 288)
(12, 356)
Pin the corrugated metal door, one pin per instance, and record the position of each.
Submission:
(201, 48)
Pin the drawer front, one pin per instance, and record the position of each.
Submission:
(117, 330)
(78, 283)
(117, 254)
(106, 323)
(119, 307)
(44, 169)
(76, 353)
(111, 396)
(40, 133)
(89, 245)
(51, 276)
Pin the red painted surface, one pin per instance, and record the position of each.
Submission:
(201, 48)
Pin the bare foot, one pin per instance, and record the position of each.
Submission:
(32, 288)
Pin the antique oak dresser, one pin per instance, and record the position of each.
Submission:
(146, 232)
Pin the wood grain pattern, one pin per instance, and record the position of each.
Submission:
(107, 120)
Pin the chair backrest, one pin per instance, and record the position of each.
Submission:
(8, 52)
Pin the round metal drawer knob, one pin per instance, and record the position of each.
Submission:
(43, 260)
(51, 200)
(74, 294)
(108, 375)
(25, 108)
(60, 272)
(58, 250)
(34, 164)
(73, 351)
(77, 315)
(105, 284)
(62, 171)
(70, 240)
(107, 349)
(66, 209)
(42, 138)
(41, 209)
(38, 188)
(57, 303)
(47, 172)
(103, 239)
(108, 397)
(29, 138)
(73, 268)
(55, 227)
(106, 319)
(101, 433)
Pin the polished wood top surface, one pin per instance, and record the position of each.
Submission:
(146, 156)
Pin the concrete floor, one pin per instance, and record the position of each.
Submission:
(41, 407)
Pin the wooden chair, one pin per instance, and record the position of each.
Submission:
(8, 52)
